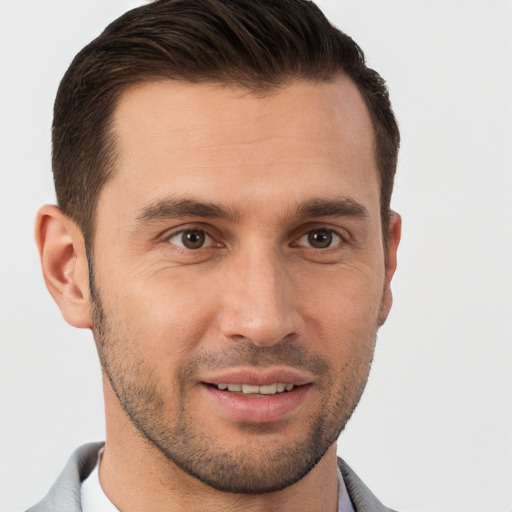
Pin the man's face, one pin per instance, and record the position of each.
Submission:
(239, 245)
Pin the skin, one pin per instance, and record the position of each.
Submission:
(259, 294)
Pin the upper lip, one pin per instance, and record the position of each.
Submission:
(259, 376)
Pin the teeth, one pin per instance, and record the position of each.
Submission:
(246, 388)
(268, 389)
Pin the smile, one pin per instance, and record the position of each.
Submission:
(249, 389)
(256, 404)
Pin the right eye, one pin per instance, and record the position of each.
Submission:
(191, 239)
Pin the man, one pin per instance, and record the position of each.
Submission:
(223, 171)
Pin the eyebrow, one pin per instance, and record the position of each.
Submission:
(170, 208)
(343, 207)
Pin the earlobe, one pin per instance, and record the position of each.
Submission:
(391, 248)
(64, 264)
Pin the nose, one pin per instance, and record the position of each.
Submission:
(257, 300)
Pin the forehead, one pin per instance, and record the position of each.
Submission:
(224, 143)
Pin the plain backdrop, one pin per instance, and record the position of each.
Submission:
(433, 431)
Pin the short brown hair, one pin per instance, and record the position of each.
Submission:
(255, 44)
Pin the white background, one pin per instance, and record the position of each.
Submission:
(434, 429)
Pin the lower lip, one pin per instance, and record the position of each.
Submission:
(258, 408)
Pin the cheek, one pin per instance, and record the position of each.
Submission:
(169, 315)
(350, 296)
(343, 314)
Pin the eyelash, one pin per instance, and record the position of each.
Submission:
(331, 232)
(335, 234)
(189, 230)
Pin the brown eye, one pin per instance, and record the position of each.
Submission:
(191, 239)
(319, 239)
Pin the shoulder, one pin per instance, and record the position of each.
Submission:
(64, 495)
(362, 498)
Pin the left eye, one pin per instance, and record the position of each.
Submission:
(320, 239)
(191, 239)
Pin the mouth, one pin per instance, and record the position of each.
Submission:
(249, 389)
(258, 395)
(266, 381)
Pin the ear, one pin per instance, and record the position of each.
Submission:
(391, 248)
(64, 264)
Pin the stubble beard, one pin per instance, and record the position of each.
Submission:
(241, 469)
